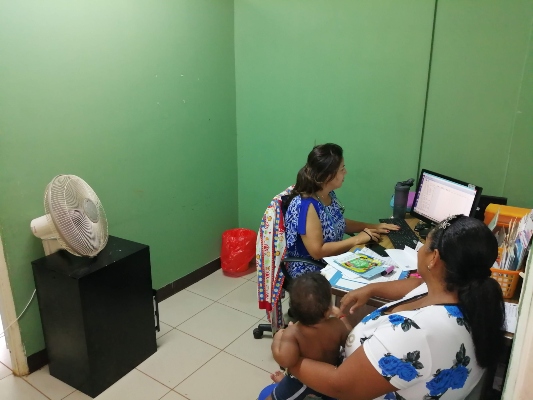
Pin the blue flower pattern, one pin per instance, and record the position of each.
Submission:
(393, 396)
(405, 368)
(333, 226)
(455, 312)
(405, 323)
(374, 315)
(396, 319)
(450, 378)
(390, 396)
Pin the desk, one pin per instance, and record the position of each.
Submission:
(376, 302)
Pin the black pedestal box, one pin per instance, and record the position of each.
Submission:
(97, 313)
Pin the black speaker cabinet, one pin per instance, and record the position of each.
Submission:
(97, 313)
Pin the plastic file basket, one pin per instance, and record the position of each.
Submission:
(508, 280)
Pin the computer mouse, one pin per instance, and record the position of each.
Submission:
(423, 233)
(419, 226)
(377, 248)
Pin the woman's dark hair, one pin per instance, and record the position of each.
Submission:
(323, 162)
(469, 249)
(310, 297)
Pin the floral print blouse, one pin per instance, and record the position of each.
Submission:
(333, 226)
(426, 353)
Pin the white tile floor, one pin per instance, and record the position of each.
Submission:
(206, 351)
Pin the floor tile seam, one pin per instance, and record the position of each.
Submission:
(241, 335)
(245, 281)
(227, 305)
(27, 376)
(154, 379)
(63, 398)
(173, 327)
(222, 304)
(7, 366)
(181, 394)
(7, 376)
(195, 371)
(201, 340)
(201, 295)
(221, 349)
(247, 362)
(191, 292)
(247, 329)
(203, 309)
(73, 390)
(24, 380)
(172, 390)
(235, 309)
(166, 323)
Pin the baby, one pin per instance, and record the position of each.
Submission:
(316, 335)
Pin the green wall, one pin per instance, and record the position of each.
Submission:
(520, 168)
(137, 98)
(350, 72)
(188, 116)
(478, 125)
(356, 73)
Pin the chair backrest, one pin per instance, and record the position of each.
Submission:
(270, 250)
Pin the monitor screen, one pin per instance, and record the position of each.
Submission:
(438, 196)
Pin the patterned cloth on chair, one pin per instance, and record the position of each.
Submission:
(270, 250)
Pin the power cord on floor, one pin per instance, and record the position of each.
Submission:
(2, 334)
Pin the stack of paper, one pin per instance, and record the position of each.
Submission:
(348, 272)
(407, 258)
(511, 317)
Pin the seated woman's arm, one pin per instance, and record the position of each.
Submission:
(356, 226)
(314, 242)
(355, 379)
(394, 290)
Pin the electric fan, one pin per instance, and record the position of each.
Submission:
(75, 219)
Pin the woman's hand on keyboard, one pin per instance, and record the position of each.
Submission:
(385, 228)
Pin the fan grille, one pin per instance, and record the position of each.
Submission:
(77, 214)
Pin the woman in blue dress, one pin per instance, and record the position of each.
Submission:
(314, 220)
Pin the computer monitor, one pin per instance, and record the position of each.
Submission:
(439, 196)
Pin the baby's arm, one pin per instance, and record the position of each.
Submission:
(336, 312)
(285, 347)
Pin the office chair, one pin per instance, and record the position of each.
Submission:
(272, 275)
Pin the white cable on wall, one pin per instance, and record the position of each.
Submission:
(9, 326)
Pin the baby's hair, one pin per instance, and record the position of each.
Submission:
(310, 298)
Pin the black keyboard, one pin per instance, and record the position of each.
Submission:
(404, 237)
